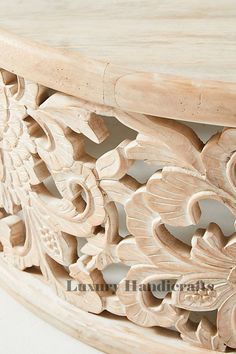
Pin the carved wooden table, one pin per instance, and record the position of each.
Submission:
(140, 68)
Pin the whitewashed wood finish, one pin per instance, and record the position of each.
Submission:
(110, 334)
(201, 99)
(43, 135)
(191, 38)
(158, 60)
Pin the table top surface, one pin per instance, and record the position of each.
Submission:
(191, 38)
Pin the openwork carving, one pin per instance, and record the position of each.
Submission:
(43, 135)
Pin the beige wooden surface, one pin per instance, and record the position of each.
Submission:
(33, 115)
(184, 52)
(193, 38)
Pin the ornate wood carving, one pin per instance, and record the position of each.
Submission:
(43, 137)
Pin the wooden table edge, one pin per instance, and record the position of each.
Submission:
(159, 94)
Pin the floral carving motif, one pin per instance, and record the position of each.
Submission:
(43, 138)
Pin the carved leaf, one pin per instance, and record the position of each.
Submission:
(141, 306)
(16, 239)
(163, 141)
(113, 164)
(203, 335)
(74, 113)
(55, 146)
(219, 158)
(42, 134)
(119, 191)
(153, 239)
(211, 249)
(89, 300)
(129, 253)
(177, 192)
(20, 166)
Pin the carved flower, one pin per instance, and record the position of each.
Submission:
(19, 163)
(214, 268)
(171, 197)
(210, 261)
(41, 136)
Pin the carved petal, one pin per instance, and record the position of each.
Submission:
(20, 168)
(119, 191)
(141, 306)
(163, 141)
(153, 239)
(177, 192)
(76, 114)
(230, 247)
(129, 253)
(205, 335)
(209, 250)
(113, 164)
(220, 160)
(89, 300)
(18, 245)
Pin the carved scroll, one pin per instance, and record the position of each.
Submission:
(43, 137)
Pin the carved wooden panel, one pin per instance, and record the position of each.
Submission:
(43, 136)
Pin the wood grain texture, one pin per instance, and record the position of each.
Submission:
(182, 53)
(104, 83)
(192, 38)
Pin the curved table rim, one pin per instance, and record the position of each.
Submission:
(163, 95)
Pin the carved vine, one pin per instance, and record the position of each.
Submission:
(42, 136)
